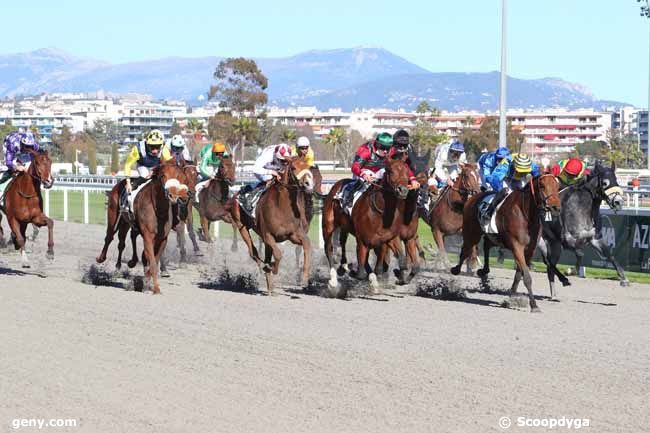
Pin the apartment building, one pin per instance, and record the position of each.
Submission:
(137, 119)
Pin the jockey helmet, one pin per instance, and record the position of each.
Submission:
(502, 152)
(384, 141)
(283, 152)
(523, 163)
(178, 141)
(401, 139)
(27, 139)
(302, 142)
(573, 167)
(457, 146)
(218, 147)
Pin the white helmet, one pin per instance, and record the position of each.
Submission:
(283, 151)
(303, 142)
(178, 141)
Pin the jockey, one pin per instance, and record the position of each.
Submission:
(145, 156)
(179, 150)
(267, 167)
(369, 159)
(403, 148)
(448, 158)
(16, 148)
(490, 162)
(519, 173)
(570, 171)
(302, 150)
(211, 156)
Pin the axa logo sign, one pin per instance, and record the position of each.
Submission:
(640, 239)
(608, 232)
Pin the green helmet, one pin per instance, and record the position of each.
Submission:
(384, 141)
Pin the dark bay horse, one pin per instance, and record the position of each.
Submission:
(445, 216)
(23, 203)
(375, 220)
(518, 222)
(279, 216)
(153, 216)
(213, 201)
(576, 227)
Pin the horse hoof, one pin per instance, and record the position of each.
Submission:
(234, 249)
(50, 255)
(156, 291)
(131, 263)
(26, 266)
(374, 284)
(535, 310)
(164, 274)
(100, 259)
(625, 283)
(455, 270)
(482, 273)
(566, 283)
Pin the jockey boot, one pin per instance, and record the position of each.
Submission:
(245, 196)
(500, 195)
(5, 176)
(348, 195)
(124, 201)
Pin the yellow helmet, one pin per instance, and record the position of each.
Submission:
(218, 147)
(154, 138)
(523, 163)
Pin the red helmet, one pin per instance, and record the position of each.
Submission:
(283, 151)
(573, 167)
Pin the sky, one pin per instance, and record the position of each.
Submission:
(602, 44)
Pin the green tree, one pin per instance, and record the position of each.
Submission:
(61, 143)
(622, 150)
(115, 159)
(194, 127)
(176, 129)
(91, 146)
(336, 138)
(220, 127)
(6, 129)
(289, 136)
(424, 135)
(243, 128)
(487, 137)
(241, 88)
(423, 107)
(34, 130)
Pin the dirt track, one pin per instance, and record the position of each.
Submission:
(199, 360)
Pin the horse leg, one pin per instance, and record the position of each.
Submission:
(180, 240)
(483, 273)
(305, 242)
(149, 259)
(3, 243)
(268, 256)
(164, 273)
(579, 256)
(23, 253)
(522, 258)
(205, 227)
(252, 251)
(113, 218)
(42, 220)
(440, 243)
(420, 250)
(470, 240)
(412, 253)
(123, 230)
(603, 248)
(134, 250)
(234, 247)
(19, 239)
(396, 246)
(190, 232)
(159, 252)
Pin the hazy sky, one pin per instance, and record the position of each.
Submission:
(602, 44)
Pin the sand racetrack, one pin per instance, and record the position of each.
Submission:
(201, 360)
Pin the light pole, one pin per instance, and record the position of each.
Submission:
(645, 12)
(502, 99)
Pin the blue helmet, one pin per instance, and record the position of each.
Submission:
(502, 152)
(27, 139)
(457, 146)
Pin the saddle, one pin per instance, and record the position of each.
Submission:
(350, 193)
(4, 187)
(249, 197)
(488, 219)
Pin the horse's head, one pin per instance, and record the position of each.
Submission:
(299, 171)
(547, 193)
(607, 187)
(174, 181)
(227, 170)
(397, 177)
(41, 168)
(318, 180)
(467, 181)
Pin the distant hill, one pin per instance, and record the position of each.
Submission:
(347, 78)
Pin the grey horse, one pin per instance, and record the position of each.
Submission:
(579, 223)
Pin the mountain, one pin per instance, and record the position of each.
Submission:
(347, 78)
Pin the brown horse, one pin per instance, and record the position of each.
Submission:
(23, 203)
(446, 215)
(213, 201)
(375, 220)
(519, 222)
(153, 216)
(279, 216)
(309, 203)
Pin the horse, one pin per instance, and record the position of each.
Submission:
(576, 228)
(23, 203)
(309, 203)
(518, 223)
(213, 202)
(153, 217)
(408, 231)
(445, 216)
(280, 215)
(375, 220)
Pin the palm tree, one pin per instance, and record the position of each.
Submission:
(336, 137)
(243, 127)
(194, 127)
(289, 136)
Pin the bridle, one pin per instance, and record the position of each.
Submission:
(542, 204)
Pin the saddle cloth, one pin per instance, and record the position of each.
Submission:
(253, 198)
(489, 222)
(199, 188)
(343, 195)
(134, 194)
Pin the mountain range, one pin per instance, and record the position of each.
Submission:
(362, 77)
